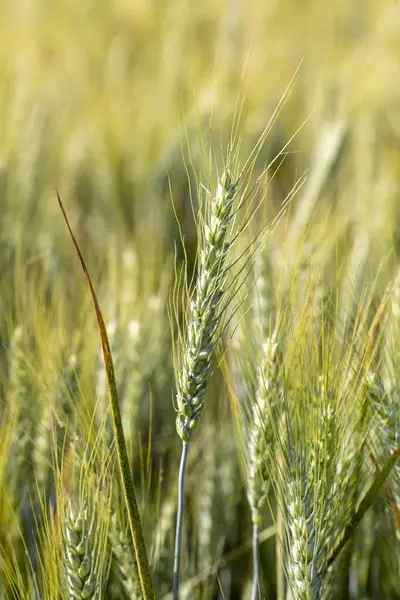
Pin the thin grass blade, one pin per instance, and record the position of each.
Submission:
(123, 461)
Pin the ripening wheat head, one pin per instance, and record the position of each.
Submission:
(205, 309)
(84, 495)
(222, 223)
(319, 442)
(260, 436)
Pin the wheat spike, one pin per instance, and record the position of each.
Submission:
(260, 436)
(204, 311)
(81, 583)
(124, 560)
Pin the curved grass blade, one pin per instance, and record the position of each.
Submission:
(123, 461)
(365, 505)
(390, 495)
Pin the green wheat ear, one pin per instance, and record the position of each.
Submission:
(79, 560)
(204, 311)
(260, 436)
(124, 559)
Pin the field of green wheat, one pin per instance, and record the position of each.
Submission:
(199, 300)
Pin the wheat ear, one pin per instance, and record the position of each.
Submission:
(203, 317)
(386, 406)
(204, 312)
(125, 560)
(81, 583)
(260, 440)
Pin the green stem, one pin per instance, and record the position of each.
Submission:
(226, 561)
(256, 563)
(179, 520)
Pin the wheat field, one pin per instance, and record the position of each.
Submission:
(213, 412)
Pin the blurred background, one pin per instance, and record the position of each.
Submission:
(109, 102)
(96, 97)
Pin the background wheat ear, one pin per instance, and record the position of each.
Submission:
(315, 479)
(265, 414)
(85, 498)
(124, 559)
(78, 554)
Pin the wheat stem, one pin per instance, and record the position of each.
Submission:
(179, 521)
(256, 568)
